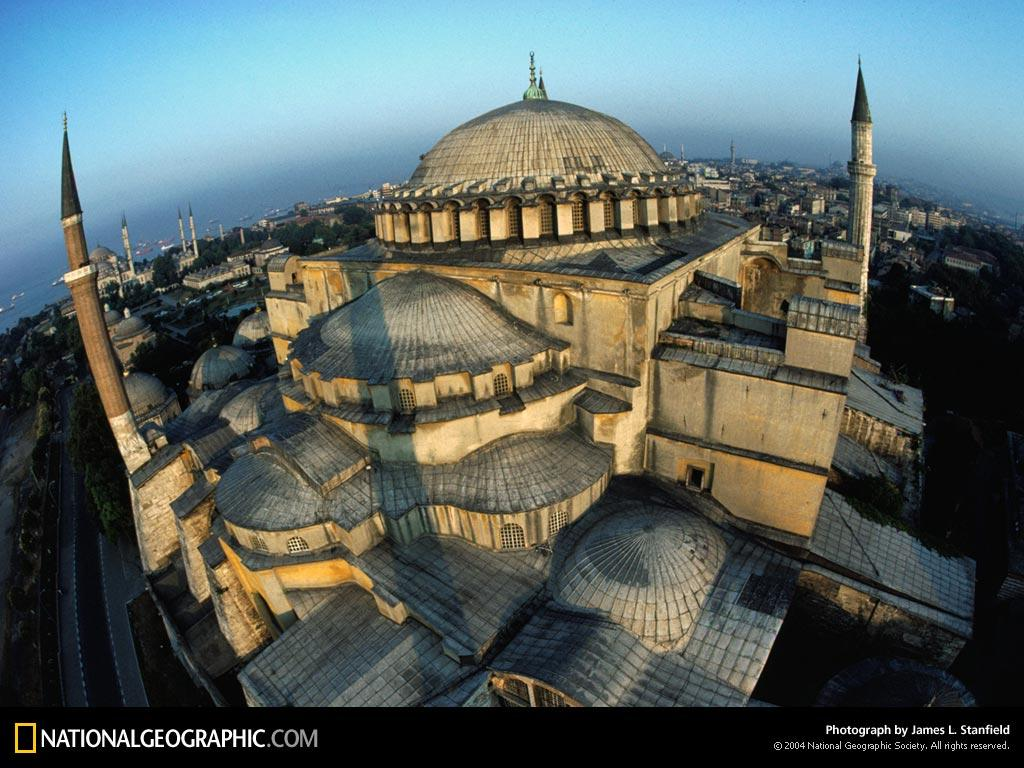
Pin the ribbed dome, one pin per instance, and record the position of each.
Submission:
(219, 366)
(130, 326)
(257, 492)
(539, 139)
(145, 392)
(416, 325)
(252, 330)
(647, 568)
(101, 255)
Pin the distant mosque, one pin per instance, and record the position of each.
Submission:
(556, 436)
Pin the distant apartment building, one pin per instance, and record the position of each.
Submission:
(973, 260)
(813, 205)
(212, 276)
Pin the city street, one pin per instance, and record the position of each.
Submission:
(98, 663)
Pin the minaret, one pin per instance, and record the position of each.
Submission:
(127, 243)
(81, 282)
(221, 227)
(181, 232)
(241, 233)
(192, 229)
(732, 153)
(862, 175)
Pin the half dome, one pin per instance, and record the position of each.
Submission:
(540, 139)
(418, 326)
(145, 392)
(219, 366)
(648, 568)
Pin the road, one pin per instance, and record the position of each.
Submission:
(98, 663)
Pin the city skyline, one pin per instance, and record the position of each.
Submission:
(214, 114)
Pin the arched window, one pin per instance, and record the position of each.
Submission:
(515, 220)
(562, 309)
(453, 222)
(501, 385)
(558, 520)
(636, 211)
(548, 698)
(297, 544)
(547, 218)
(512, 536)
(512, 692)
(608, 205)
(483, 221)
(579, 215)
(406, 400)
(258, 544)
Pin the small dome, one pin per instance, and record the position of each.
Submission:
(102, 255)
(258, 493)
(417, 325)
(219, 366)
(251, 408)
(648, 568)
(130, 326)
(252, 330)
(145, 392)
(111, 317)
(539, 139)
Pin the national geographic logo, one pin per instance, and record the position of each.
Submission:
(29, 738)
(24, 738)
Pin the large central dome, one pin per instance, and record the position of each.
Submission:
(536, 138)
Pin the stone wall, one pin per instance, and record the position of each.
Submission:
(880, 437)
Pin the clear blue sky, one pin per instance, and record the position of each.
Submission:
(237, 105)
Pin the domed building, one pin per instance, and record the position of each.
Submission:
(151, 401)
(557, 435)
(129, 334)
(253, 331)
(219, 366)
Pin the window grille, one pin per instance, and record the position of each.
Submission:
(258, 544)
(578, 216)
(636, 211)
(297, 544)
(456, 231)
(512, 537)
(548, 698)
(515, 222)
(483, 218)
(501, 385)
(558, 520)
(406, 400)
(547, 222)
(514, 692)
(609, 214)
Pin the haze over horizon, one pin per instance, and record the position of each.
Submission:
(238, 107)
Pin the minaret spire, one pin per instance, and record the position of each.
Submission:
(192, 229)
(862, 187)
(127, 244)
(69, 204)
(81, 282)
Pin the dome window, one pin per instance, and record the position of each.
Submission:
(513, 692)
(512, 536)
(297, 545)
(558, 520)
(579, 216)
(636, 211)
(483, 221)
(608, 206)
(258, 544)
(501, 385)
(515, 221)
(562, 306)
(548, 698)
(406, 400)
(547, 219)
(453, 212)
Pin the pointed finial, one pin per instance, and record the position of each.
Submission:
(190, 209)
(69, 204)
(861, 110)
(533, 74)
(533, 92)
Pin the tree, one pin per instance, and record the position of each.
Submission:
(165, 273)
(94, 452)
